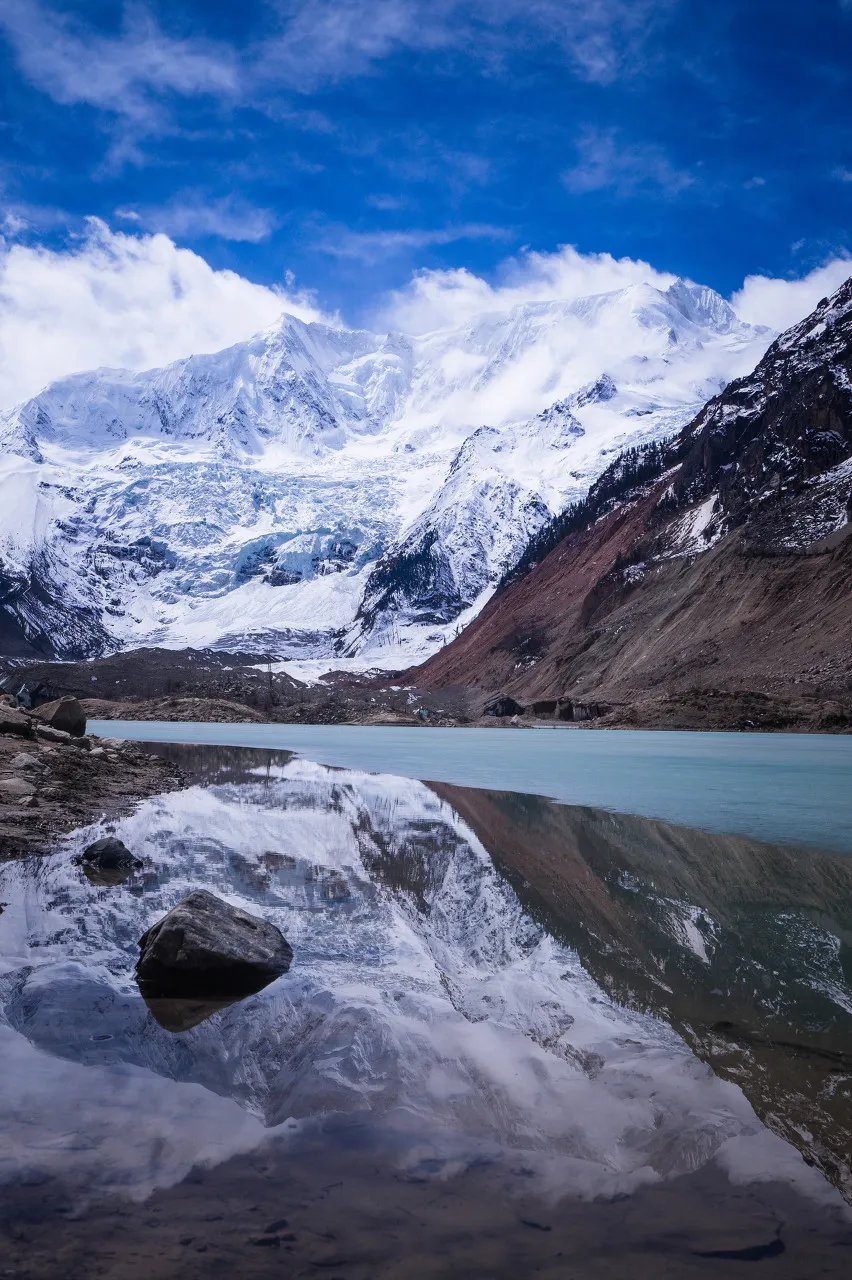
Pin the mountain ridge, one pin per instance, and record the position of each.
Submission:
(265, 496)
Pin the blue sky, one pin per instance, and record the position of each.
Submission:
(345, 144)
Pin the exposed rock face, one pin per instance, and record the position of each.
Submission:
(501, 707)
(718, 562)
(66, 715)
(204, 947)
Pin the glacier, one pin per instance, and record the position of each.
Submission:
(333, 497)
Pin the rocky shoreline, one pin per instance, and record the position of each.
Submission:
(52, 781)
(222, 688)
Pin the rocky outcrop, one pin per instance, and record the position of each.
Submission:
(204, 947)
(717, 563)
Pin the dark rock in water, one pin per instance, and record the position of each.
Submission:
(504, 706)
(204, 947)
(108, 861)
(66, 715)
(182, 1014)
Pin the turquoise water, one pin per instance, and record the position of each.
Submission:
(789, 788)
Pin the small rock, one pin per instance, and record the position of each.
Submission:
(206, 947)
(66, 714)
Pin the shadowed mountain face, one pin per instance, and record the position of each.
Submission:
(720, 561)
(745, 948)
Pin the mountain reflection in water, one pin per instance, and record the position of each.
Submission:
(525, 1002)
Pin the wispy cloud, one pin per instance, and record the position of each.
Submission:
(311, 43)
(371, 246)
(195, 214)
(124, 74)
(605, 161)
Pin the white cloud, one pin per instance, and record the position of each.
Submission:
(780, 303)
(440, 299)
(121, 300)
(121, 73)
(138, 301)
(311, 43)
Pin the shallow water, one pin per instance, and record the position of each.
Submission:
(794, 788)
(517, 1038)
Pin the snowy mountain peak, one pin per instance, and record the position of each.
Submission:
(702, 306)
(318, 489)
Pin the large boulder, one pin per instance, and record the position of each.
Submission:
(66, 714)
(204, 947)
(108, 861)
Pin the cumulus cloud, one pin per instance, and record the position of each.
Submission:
(443, 298)
(780, 303)
(123, 301)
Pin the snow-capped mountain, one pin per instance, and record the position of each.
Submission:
(325, 493)
(720, 561)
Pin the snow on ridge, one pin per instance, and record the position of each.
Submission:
(250, 493)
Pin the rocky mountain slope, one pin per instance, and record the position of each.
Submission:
(324, 493)
(711, 571)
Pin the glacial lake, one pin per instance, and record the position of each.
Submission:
(518, 1037)
(795, 788)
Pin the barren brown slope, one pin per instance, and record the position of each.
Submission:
(706, 583)
(732, 619)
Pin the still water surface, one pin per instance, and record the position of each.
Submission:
(782, 787)
(517, 1038)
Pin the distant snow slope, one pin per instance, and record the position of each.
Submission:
(328, 494)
